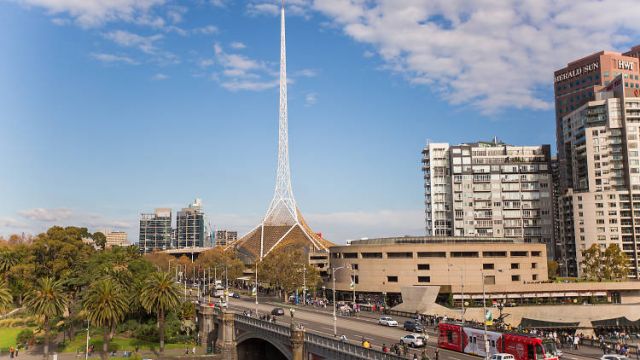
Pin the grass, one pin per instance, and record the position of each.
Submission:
(118, 343)
(8, 336)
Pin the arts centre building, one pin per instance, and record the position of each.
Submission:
(436, 275)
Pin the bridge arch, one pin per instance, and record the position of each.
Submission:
(250, 343)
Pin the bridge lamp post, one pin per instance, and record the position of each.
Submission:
(335, 319)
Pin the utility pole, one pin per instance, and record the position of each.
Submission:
(184, 277)
(86, 349)
(462, 291)
(353, 281)
(304, 284)
(484, 319)
(226, 284)
(256, 289)
(335, 318)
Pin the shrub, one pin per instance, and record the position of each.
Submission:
(25, 336)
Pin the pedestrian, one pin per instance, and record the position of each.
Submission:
(423, 355)
(576, 341)
(17, 349)
(11, 351)
(437, 353)
(415, 356)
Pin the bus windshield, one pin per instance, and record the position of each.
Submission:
(550, 349)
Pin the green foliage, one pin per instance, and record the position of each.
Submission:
(285, 267)
(25, 336)
(5, 296)
(99, 239)
(223, 260)
(160, 295)
(47, 301)
(552, 269)
(608, 265)
(105, 303)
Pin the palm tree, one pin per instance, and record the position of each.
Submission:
(106, 305)
(159, 295)
(7, 261)
(5, 295)
(47, 300)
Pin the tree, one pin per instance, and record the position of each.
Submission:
(552, 269)
(47, 301)
(99, 239)
(284, 268)
(160, 295)
(616, 262)
(5, 296)
(7, 260)
(223, 261)
(591, 263)
(106, 306)
(160, 259)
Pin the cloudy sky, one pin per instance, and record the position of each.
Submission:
(112, 108)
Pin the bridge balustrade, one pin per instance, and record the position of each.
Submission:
(347, 348)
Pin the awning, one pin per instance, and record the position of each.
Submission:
(616, 322)
(542, 324)
(245, 278)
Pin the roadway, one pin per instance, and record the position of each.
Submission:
(321, 322)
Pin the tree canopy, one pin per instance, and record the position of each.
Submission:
(610, 264)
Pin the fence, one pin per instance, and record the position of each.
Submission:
(348, 348)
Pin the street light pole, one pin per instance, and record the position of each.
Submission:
(335, 318)
(353, 280)
(304, 284)
(484, 319)
(256, 285)
(86, 350)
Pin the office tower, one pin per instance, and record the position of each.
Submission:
(155, 231)
(116, 238)
(603, 181)
(574, 86)
(190, 226)
(489, 189)
(225, 237)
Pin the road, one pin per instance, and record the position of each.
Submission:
(321, 322)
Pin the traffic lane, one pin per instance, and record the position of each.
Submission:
(354, 331)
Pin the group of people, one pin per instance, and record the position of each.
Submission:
(13, 352)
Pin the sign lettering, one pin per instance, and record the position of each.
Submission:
(625, 65)
(577, 71)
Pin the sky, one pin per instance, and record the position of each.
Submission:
(113, 108)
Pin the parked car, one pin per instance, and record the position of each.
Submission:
(277, 311)
(413, 326)
(235, 295)
(387, 321)
(413, 340)
(502, 356)
(613, 357)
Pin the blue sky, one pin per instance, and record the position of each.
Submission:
(109, 110)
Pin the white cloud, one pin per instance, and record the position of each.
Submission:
(272, 7)
(237, 45)
(206, 30)
(91, 13)
(7, 222)
(159, 77)
(491, 54)
(263, 9)
(310, 99)
(46, 215)
(218, 3)
(306, 73)
(239, 72)
(129, 39)
(111, 58)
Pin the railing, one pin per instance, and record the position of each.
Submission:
(348, 348)
(264, 325)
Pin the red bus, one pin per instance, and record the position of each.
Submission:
(470, 340)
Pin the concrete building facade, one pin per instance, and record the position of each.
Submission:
(155, 231)
(489, 189)
(603, 171)
(116, 238)
(225, 237)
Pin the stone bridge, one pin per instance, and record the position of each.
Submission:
(239, 337)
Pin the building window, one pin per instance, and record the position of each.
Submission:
(536, 253)
(488, 266)
(519, 253)
(400, 255)
(465, 254)
(430, 254)
(392, 279)
(370, 255)
(534, 277)
(494, 254)
(423, 266)
(356, 279)
(354, 266)
(515, 266)
(534, 265)
(350, 255)
(424, 279)
(515, 277)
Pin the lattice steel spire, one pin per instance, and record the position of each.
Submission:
(282, 210)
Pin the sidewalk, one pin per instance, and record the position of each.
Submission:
(38, 355)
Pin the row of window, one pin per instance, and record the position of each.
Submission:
(432, 254)
(427, 279)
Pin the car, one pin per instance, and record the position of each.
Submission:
(413, 326)
(387, 321)
(277, 311)
(413, 340)
(613, 357)
(235, 295)
(502, 356)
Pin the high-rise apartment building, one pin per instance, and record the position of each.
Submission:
(155, 231)
(190, 226)
(489, 189)
(603, 136)
(225, 237)
(576, 86)
(116, 238)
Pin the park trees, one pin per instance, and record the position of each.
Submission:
(47, 301)
(221, 260)
(552, 269)
(100, 239)
(106, 305)
(610, 264)
(5, 296)
(160, 295)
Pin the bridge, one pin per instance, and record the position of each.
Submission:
(239, 337)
